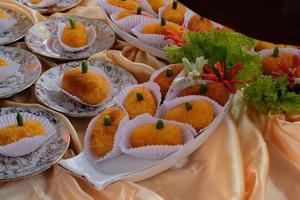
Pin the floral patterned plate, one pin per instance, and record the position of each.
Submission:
(42, 39)
(61, 6)
(18, 30)
(15, 168)
(47, 92)
(28, 73)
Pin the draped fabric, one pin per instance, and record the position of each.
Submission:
(250, 156)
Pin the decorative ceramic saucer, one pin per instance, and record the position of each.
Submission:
(27, 74)
(42, 39)
(61, 6)
(49, 94)
(18, 30)
(15, 168)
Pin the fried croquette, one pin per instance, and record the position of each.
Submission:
(198, 23)
(74, 34)
(104, 131)
(127, 13)
(139, 101)
(270, 63)
(165, 79)
(15, 132)
(156, 134)
(175, 12)
(3, 63)
(36, 1)
(126, 4)
(214, 90)
(197, 113)
(89, 87)
(162, 29)
(156, 4)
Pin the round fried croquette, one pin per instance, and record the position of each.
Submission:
(157, 28)
(139, 101)
(126, 4)
(197, 113)
(150, 134)
(214, 90)
(198, 23)
(165, 78)
(127, 13)
(270, 63)
(104, 131)
(156, 4)
(14, 133)
(175, 12)
(89, 87)
(75, 36)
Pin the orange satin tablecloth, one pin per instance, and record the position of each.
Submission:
(249, 156)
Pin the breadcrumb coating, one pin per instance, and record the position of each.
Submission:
(75, 37)
(126, 4)
(270, 64)
(175, 15)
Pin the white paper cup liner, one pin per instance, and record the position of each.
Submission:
(91, 36)
(7, 23)
(146, 6)
(94, 70)
(173, 93)
(43, 4)
(110, 9)
(129, 22)
(11, 69)
(156, 40)
(25, 145)
(267, 52)
(116, 151)
(153, 151)
(181, 100)
(153, 87)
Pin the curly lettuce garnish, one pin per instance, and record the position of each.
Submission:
(270, 94)
(220, 45)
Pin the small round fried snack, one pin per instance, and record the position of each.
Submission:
(36, 1)
(162, 28)
(165, 78)
(104, 131)
(214, 90)
(156, 134)
(198, 23)
(13, 133)
(139, 101)
(126, 4)
(197, 113)
(175, 12)
(89, 87)
(270, 63)
(127, 13)
(74, 34)
(156, 4)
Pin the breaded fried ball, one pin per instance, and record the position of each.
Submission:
(165, 79)
(197, 113)
(126, 4)
(127, 13)
(139, 101)
(36, 1)
(214, 90)
(198, 23)
(74, 34)
(104, 131)
(14, 133)
(156, 4)
(151, 134)
(175, 12)
(157, 28)
(89, 87)
(270, 63)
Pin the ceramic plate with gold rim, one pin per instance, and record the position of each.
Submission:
(42, 38)
(59, 7)
(18, 30)
(50, 152)
(28, 72)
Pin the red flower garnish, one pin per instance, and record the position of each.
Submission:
(175, 36)
(291, 72)
(218, 74)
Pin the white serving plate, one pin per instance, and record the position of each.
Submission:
(129, 168)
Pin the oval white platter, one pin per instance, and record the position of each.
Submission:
(129, 168)
(134, 41)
